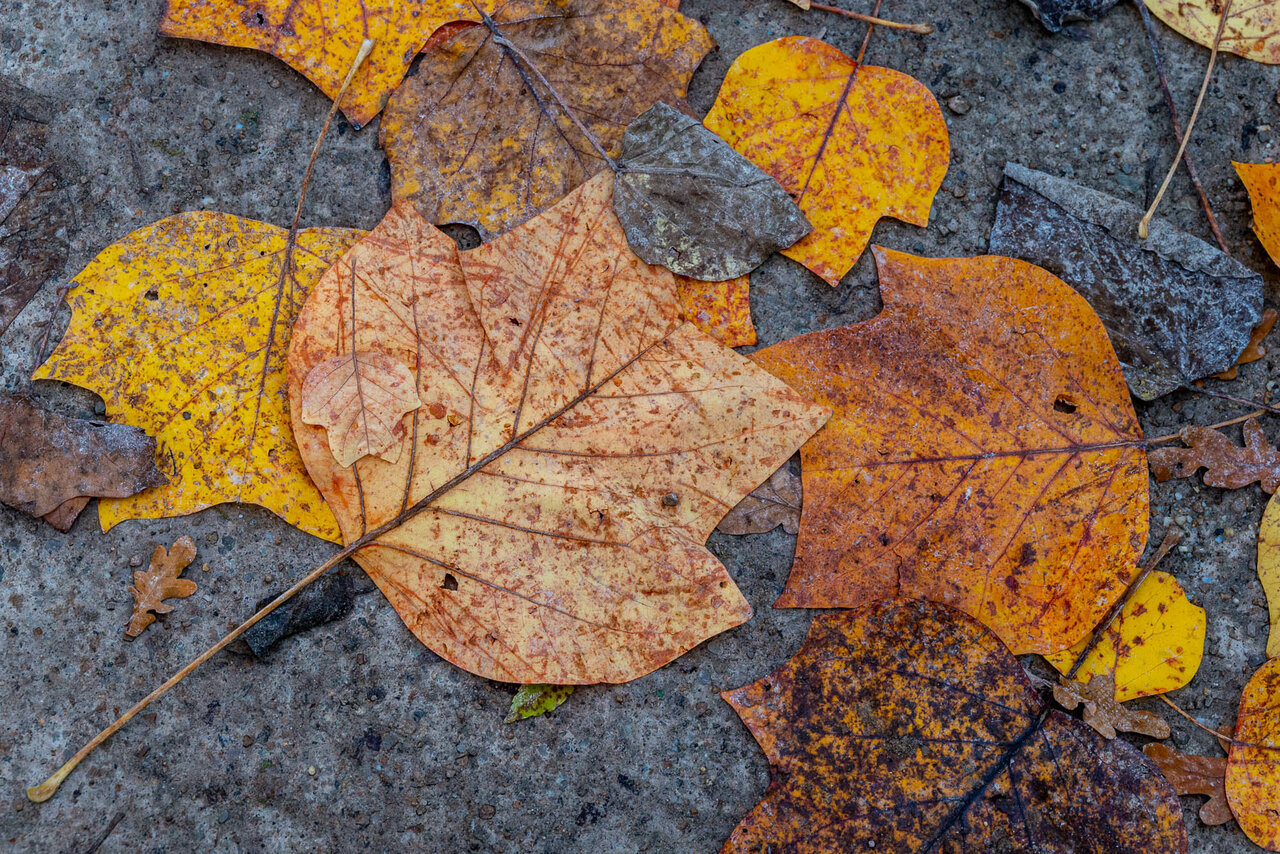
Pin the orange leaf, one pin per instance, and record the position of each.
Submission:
(320, 39)
(1262, 180)
(720, 309)
(850, 144)
(1253, 772)
(160, 582)
(905, 726)
(481, 135)
(984, 452)
(575, 446)
(359, 399)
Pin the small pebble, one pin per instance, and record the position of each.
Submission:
(135, 561)
(959, 105)
(311, 770)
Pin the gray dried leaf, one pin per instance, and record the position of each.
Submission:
(33, 245)
(327, 600)
(691, 203)
(47, 460)
(774, 502)
(1054, 13)
(1176, 308)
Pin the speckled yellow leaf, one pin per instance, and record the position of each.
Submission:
(1253, 760)
(481, 134)
(1269, 569)
(850, 144)
(183, 328)
(1262, 180)
(1154, 646)
(720, 309)
(1252, 31)
(320, 39)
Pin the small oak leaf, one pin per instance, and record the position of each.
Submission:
(1227, 465)
(1102, 712)
(1195, 775)
(161, 582)
(360, 399)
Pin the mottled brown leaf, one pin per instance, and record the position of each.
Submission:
(774, 502)
(1227, 465)
(48, 461)
(1176, 308)
(691, 203)
(1102, 712)
(906, 726)
(33, 244)
(159, 582)
(1195, 775)
(483, 133)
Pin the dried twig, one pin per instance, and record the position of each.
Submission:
(920, 29)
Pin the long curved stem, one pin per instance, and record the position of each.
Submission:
(919, 29)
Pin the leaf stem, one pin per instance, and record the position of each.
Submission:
(920, 29)
(1186, 137)
(1218, 735)
(866, 40)
(1174, 437)
(1149, 26)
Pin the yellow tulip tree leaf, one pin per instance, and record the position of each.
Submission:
(1253, 760)
(1262, 180)
(359, 398)
(1153, 646)
(321, 39)
(183, 328)
(1269, 570)
(575, 447)
(850, 144)
(1252, 30)
(482, 133)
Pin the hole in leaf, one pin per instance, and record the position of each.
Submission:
(449, 583)
(1064, 404)
(152, 294)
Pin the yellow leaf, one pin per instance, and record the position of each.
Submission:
(1154, 646)
(850, 144)
(1253, 760)
(183, 328)
(1269, 570)
(720, 309)
(320, 39)
(1262, 180)
(1252, 30)
(360, 399)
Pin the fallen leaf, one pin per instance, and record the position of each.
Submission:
(774, 502)
(1262, 180)
(480, 135)
(1176, 308)
(183, 327)
(1195, 775)
(533, 700)
(327, 600)
(360, 400)
(320, 39)
(720, 309)
(984, 452)
(50, 465)
(1254, 350)
(160, 582)
(906, 726)
(1226, 464)
(850, 144)
(1251, 29)
(574, 449)
(1269, 570)
(33, 220)
(1253, 761)
(1054, 13)
(689, 202)
(1152, 647)
(1102, 712)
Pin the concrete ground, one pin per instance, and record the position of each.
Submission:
(354, 736)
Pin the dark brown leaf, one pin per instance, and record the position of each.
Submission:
(774, 502)
(689, 202)
(33, 244)
(160, 582)
(1103, 713)
(1176, 308)
(1226, 464)
(1054, 13)
(328, 600)
(1195, 775)
(47, 460)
